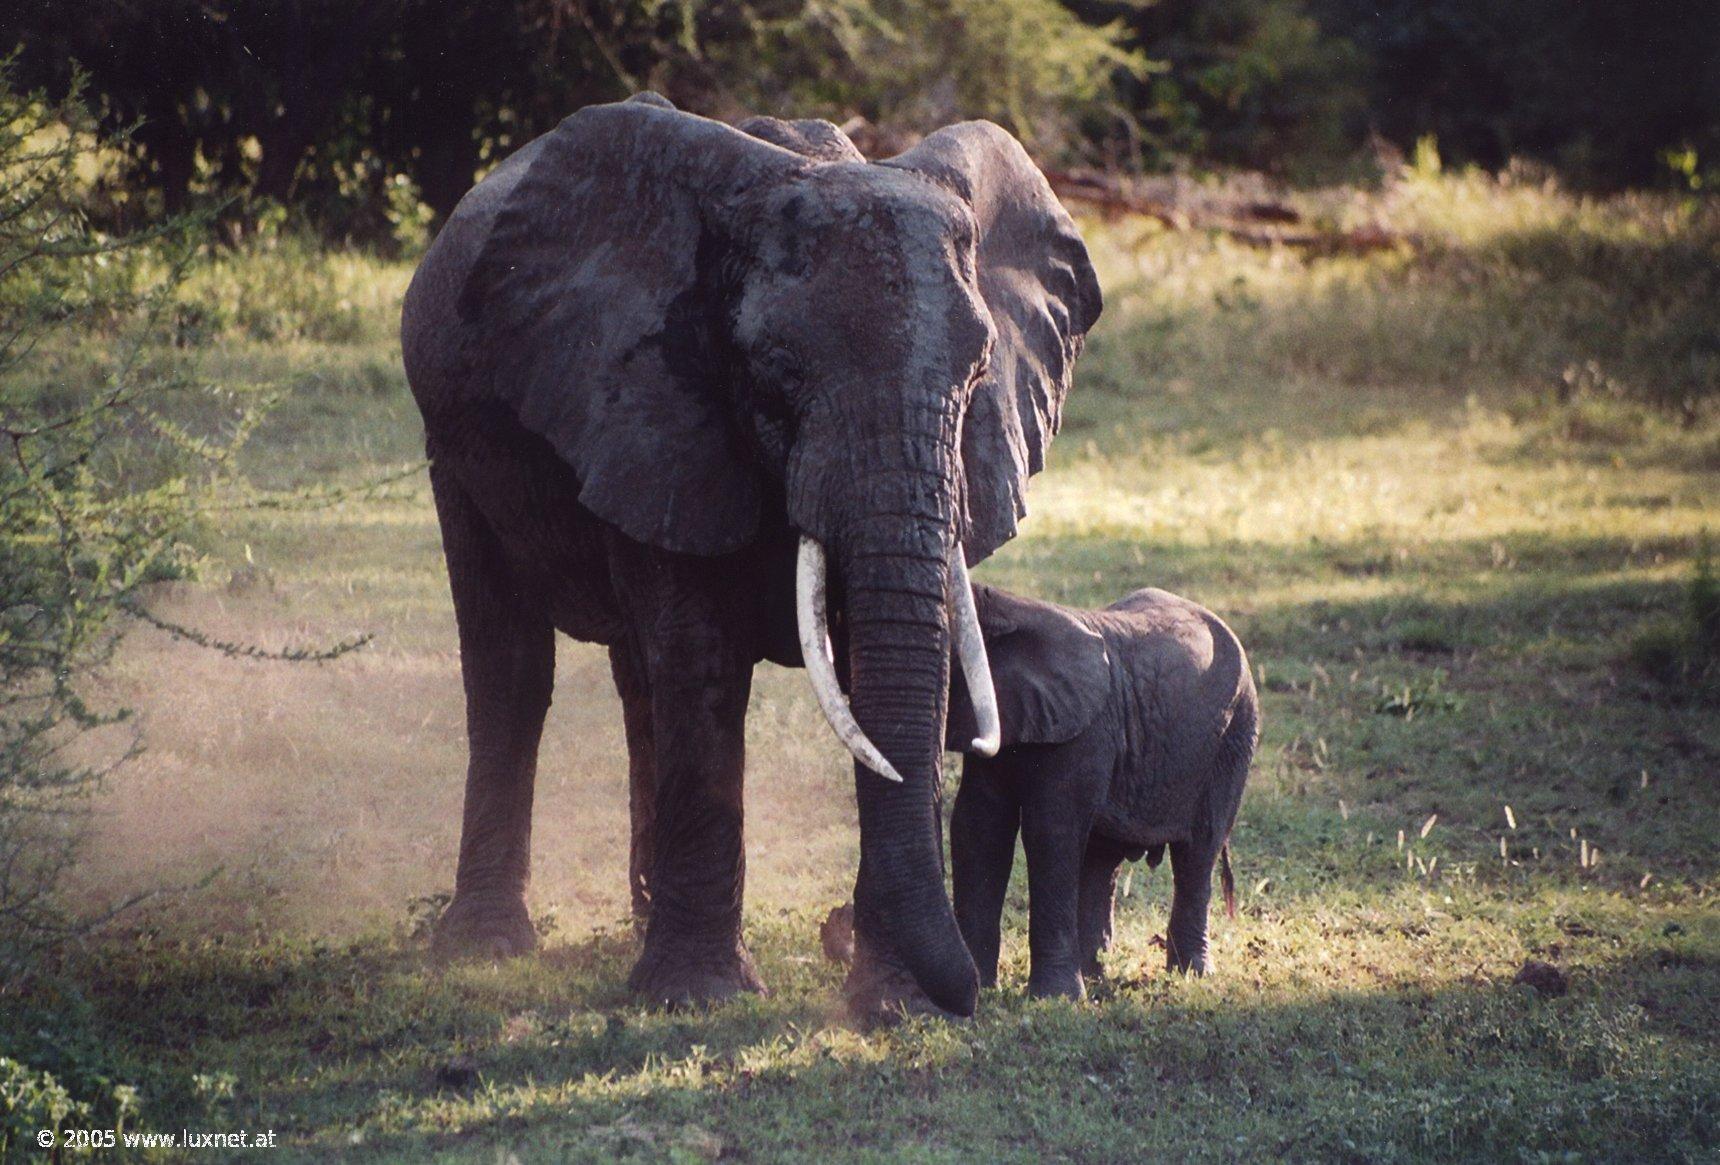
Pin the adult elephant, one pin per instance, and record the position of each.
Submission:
(667, 366)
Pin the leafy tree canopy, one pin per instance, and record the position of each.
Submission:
(352, 113)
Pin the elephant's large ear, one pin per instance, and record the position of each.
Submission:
(590, 304)
(1052, 675)
(1039, 286)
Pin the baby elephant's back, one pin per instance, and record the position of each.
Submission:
(1182, 678)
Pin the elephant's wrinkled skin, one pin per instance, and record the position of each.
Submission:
(1124, 730)
(652, 351)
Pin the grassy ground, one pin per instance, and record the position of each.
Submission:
(1425, 488)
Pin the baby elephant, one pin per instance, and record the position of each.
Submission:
(1124, 730)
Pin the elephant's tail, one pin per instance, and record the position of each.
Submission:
(1227, 880)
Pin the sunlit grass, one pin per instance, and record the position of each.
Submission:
(1438, 491)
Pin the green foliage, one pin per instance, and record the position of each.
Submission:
(365, 122)
(1258, 83)
(1513, 281)
(1029, 65)
(33, 1101)
(29, 1102)
(77, 540)
(111, 453)
(258, 291)
(1410, 700)
(354, 119)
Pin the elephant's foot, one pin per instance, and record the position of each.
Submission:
(1060, 983)
(1093, 959)
(673, 976)
(484, 927)
(880, 991)
(1197, 962)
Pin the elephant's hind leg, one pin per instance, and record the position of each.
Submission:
(1098, 894)
(1191, 878)
(507, 662)
(634, 687)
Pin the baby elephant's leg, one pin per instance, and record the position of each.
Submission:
(1191, 877)
(1098, 892)
(983, 826)
(1056, 821)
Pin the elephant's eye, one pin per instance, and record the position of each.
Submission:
(773, 421)
(981, 369)
(764, 382)
(777, 367)
(772, 404)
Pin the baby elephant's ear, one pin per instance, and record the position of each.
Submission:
(1052, 674)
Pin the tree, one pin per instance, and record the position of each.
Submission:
(1600, 89)
(110, 453)
(323, 104)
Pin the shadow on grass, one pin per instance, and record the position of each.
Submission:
(1537, 569)
(555, 1064)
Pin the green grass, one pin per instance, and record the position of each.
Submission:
(1444, 495)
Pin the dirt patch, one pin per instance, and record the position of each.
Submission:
(836, 935)
(1547, 980)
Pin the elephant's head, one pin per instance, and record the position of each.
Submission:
(720, 332)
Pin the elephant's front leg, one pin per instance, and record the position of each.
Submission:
(693, 947)
(983, 828)
(700, 678)
(1058, 806)
(507, 662)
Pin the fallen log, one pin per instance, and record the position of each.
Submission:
(1241, 222)
(1108, 195)
(1253, 222)
(1357, 242)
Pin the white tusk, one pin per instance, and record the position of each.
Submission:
(976, 668)
(814, 628)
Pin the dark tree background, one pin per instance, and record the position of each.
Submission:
(318, 101)
(1599, 88)
(328, 105)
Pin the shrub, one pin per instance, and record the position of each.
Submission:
(110, 455)
(31, 1101)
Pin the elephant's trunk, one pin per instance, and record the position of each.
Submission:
(811, 587)
(896, 570)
